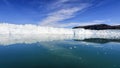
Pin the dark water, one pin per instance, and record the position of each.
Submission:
(89, 53)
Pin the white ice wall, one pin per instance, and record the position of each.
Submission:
(34, 29)
(108, 34)
(31, 29)
(12, 29)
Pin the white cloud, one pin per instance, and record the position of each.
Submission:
(61, 15)
(58, 4)
(62, 10)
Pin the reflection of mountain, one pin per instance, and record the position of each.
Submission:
(99, 40)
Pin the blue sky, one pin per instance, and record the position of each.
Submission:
(60, 13)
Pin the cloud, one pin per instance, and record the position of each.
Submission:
(63, 13)
(59, 4)
(59, 16)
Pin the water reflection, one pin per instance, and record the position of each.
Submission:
(30, 38)
(36, 38)
(99, 40)
(58, 51)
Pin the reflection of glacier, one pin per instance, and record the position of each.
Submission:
(12, 34)
(31, 38)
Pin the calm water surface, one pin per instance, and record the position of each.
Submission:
(70, 53)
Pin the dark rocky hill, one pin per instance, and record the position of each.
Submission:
(98, 27)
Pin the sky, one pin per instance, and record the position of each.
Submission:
(60, 13)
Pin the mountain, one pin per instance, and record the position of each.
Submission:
(98, 27)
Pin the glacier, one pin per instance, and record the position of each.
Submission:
(31, 29)
(28, 33)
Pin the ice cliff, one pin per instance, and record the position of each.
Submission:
(31, 29)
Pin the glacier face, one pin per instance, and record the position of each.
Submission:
(107, 34)
(12, 34)
(31, 29)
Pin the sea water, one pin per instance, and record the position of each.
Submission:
(58, 51)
